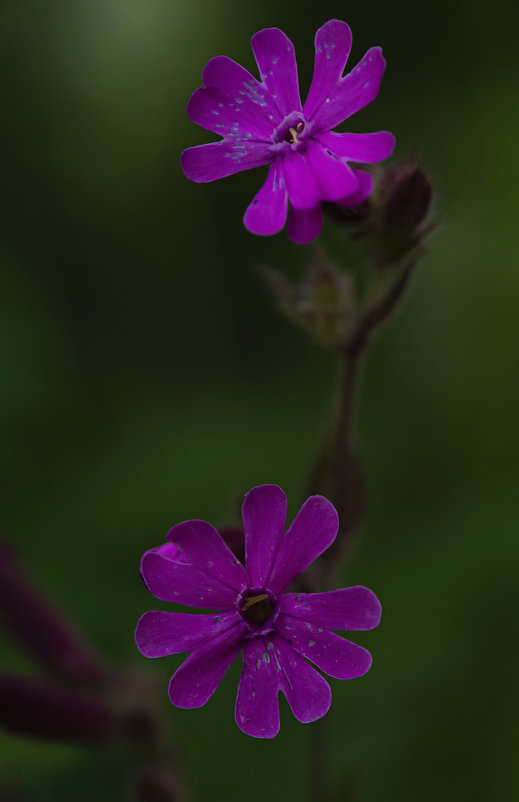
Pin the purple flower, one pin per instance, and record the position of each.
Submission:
(274, 630)
(263, 122)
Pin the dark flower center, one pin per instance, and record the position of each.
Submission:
(257, 609)
(291, 133)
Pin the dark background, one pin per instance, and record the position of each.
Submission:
(147, 378)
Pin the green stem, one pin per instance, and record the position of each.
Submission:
(347, 485)
(347, 494)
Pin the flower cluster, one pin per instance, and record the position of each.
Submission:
(254, 614)
(263, 122)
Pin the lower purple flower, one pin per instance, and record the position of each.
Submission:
(273, 629)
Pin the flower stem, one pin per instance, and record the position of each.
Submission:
(376, 314)
(337, 470)
(346, 482)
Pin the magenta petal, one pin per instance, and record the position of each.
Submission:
(351, 93)
(257, 707)
(336, 656)
(213, 109)
(332, 48)
(250, 96)
(267, 213)
(183, 583)
(313, 529)
(276, 60)
(206, 163)
(159, 633)
(304, 225)
(302, 185)
(264, 513)
(199, 676)
(366, 148)
(205, 549)
(348, 608)
(170, 551)
(335, 178)
(307, 692)
(363, 191)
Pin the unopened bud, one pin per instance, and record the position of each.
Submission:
(402, 204)
(409, 198)
(394, 222)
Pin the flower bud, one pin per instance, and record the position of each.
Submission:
(409, 198)
(394, 222)
(407, 201)
(40, 627)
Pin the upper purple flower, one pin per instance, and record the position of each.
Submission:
(274, 630)
(263, 122)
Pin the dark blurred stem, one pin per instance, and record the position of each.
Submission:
(376, 315)
(345, 418)
(347, 477)
(346, 485)
(87, 703)
(158, 776)
(349, 385)
(319, 785)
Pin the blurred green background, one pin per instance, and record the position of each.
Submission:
(147, 378)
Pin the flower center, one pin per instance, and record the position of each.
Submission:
(294, 132)
(257, 607)
(290, 133)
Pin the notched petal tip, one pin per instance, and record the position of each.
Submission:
(373, 54)
(196, 104)
(311, 532)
